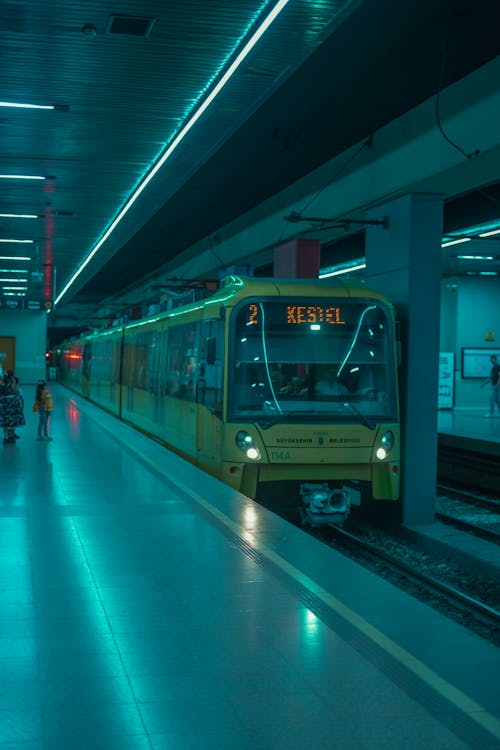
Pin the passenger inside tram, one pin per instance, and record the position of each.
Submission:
(327, 383)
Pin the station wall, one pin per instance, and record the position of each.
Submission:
(29, 328)
(470, 315)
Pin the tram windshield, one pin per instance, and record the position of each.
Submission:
(329, 359)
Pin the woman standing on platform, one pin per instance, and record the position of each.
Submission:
(43, 405)
(11, 407)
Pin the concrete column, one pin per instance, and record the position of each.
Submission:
(404, 263)
(297, 259)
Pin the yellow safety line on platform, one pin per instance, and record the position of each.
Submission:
(455, 696)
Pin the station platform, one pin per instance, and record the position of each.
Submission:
(143, 604)
(470, 423)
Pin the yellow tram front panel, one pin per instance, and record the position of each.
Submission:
(311, 452)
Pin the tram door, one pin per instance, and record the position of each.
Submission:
(209, 396)
(7, 353)
(86, 365)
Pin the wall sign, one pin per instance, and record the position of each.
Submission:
(476, 363)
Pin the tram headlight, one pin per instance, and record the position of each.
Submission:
(386, 445)
(244, 442)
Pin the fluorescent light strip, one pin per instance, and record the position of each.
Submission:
(178, 138)
(22, 242)
(22, 177)
(456, 242)
(27, 106)
(18, 216)
(475, 257)
(342, 271)
(14, 257)
(16, 288)
(14, 294)
(489, 234)
(19, 281)
(12, 270)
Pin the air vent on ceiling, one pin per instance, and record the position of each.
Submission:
(130, 25)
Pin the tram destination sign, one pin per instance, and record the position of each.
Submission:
(296, 314)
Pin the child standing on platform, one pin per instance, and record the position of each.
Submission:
(43, 405)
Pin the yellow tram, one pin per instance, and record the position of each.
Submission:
(267, 381)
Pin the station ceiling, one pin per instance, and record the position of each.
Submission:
(126, 82)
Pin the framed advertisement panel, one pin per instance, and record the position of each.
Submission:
(476, 363)
(446, 380)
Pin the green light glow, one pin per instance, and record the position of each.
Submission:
(447, 243)
(180, 135)
(476, 229)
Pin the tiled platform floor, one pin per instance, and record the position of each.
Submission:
(137, 614)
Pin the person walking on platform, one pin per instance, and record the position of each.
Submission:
(43, 405)
(494, 379)
(11, 407)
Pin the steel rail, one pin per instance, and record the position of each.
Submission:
(485, 614)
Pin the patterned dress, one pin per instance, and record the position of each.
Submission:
(11, 405)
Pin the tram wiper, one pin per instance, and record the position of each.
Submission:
(266, 424)
(364, 421)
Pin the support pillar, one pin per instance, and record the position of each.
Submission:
(404, 263)
(297, 259)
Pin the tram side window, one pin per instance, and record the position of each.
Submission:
(147, 360)
(140, 361)
(115, 362)
(128, 349)
(211, 375)
(182, 362)
(102, 361)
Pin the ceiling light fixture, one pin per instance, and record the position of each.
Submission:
(455, 242)
(477, 229)
(341, 271)
(21, 242)
(14, 257)
(18, 216)
(12, 281)
(24, 177)
(340, 268)
(27, 106)
(475, 257)
(248, 46)
(16, 288)
(12, 270)
(490, 234)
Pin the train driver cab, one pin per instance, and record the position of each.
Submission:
(341, 367)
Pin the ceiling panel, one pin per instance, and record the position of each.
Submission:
(325, 74)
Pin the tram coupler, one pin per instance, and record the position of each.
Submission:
(323, 505)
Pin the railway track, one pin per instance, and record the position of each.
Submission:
(474, 463)
(466, 608)
(489, 502)
(469, 511)
(469, 594)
